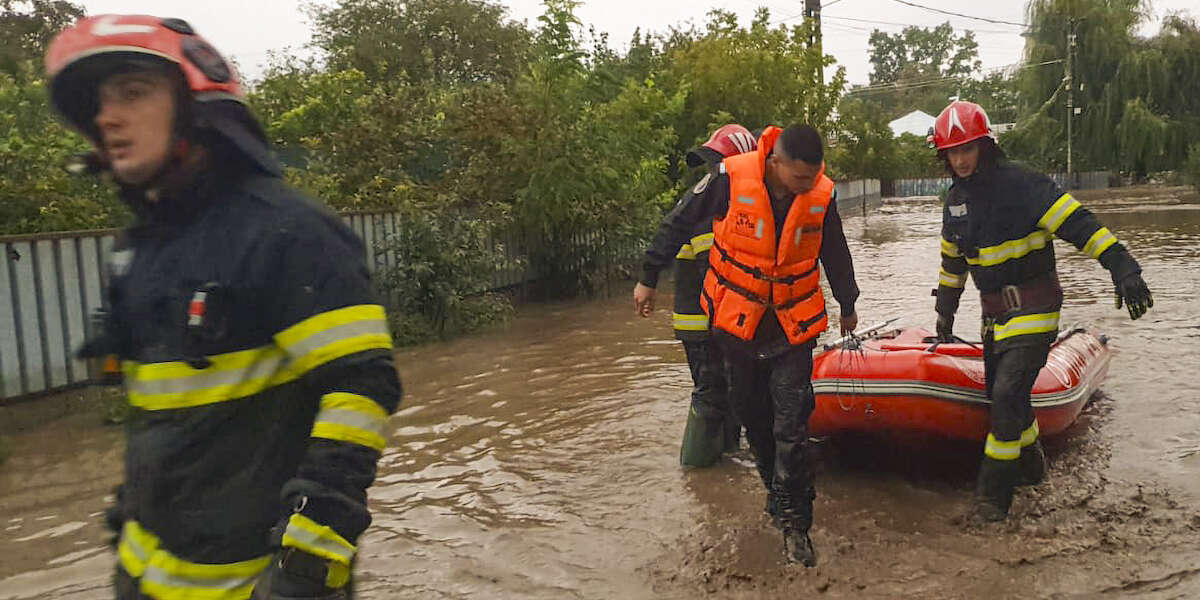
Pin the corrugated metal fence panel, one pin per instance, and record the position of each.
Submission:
(921, 187)
(1092, 180)
(48, 287)
(10, 365)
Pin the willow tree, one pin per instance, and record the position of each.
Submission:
(1136, 96)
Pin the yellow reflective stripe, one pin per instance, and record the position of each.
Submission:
(1058, 213)
(949, 279)
(994, 255)
(338, 575)
(1002, 450)
(173, 385)
(166, 576)
(1099, 242)
(686, 322)
(686, 252)
(1030, 435)
(319, 540)
(135, 548)
(334, 334)
(351, 418)
(1026, 325)
(949, 249)
(702, 243)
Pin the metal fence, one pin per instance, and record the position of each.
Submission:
(51, 283)
(933, 186)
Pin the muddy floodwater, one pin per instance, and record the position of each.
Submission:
(541, 460)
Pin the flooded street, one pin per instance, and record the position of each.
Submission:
(541, 461)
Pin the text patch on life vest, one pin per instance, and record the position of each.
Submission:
(958, 210)
(744, 223)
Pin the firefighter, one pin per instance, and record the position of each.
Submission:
(255, 356)
(998, 223)
(774, 216)
(711, 426)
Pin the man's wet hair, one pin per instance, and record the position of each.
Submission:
(802, 142)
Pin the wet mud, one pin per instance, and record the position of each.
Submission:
(541, 460)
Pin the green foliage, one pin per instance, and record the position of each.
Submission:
(595, 179)
(439, 282)
(26, 28)
(865, 145)
(1139, 109)
(443, 42)
(919, 57)
(757, 75)
(1191, 168)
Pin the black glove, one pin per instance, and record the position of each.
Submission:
(1131, 290)
(945, 328)
(298, 575)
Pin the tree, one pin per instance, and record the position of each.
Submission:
(1137, 101)
(26, 28)
(934, 62)
(756, 76)
(440, 42)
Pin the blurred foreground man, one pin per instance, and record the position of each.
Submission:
(256, 359)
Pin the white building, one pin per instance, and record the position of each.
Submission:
(916, 122)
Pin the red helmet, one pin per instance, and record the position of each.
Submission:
(726, 141)
(82, 55)
(85, 54)
(959, 123)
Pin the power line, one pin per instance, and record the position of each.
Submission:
(830, 3)
(1009, 32)
(946, 12)
(884, 87)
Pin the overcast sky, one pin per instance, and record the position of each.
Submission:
(248, 29)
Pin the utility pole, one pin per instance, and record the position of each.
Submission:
(812, 10)
(1070, 95)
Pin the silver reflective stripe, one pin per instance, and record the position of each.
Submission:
(352, 418)
(798, 232)
(262, 369)
(157, 575)
(313, 540)
(319, 340)
(816, 209)
(758, 231)
(746, 200)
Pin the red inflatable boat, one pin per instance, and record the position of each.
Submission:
(901, 381)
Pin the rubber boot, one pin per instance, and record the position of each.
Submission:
(703, 441)
(798, 546)
(994, 490)
(1033, 464)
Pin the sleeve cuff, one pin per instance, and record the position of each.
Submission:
(649, 278)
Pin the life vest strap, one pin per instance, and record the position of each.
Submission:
(757, 273)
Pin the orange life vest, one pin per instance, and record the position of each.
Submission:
(751, 270)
